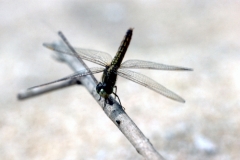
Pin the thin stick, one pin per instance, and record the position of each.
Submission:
(41, 90)
(113, 110)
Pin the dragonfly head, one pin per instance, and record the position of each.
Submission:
(103, 90)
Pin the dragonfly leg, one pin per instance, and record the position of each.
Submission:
(118, 100)
(115, 91)
(99, 98)
(104, 104)
(106, 101)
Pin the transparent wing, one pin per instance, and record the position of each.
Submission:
(149, 83)
(75, 75)
(97, 57)
(140, 64)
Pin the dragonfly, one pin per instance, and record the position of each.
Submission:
(112, 67)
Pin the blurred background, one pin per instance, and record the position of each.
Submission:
(69, 124)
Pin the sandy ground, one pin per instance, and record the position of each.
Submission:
(68, 124)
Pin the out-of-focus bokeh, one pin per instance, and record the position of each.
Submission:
(69, 124)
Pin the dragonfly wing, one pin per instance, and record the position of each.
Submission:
(94, 56)
(149, 83)
(75, 75)
(140, 64)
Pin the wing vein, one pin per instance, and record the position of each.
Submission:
(97, 57)
(149, 83)
(140, 64)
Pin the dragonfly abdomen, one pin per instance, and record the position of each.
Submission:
(117, 60)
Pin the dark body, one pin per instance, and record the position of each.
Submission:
(109, 77)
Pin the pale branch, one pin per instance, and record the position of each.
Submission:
(112, 109)
(41, 90)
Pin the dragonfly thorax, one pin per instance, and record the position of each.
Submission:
(109, 78)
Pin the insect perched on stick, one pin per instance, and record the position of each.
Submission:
(113, 67)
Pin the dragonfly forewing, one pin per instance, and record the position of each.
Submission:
(94, 56)
(140, 64)
(75, 75)
(149, 83)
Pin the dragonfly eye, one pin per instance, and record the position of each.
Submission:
(103, 90)
(102, 93)
(99, 87)
(100, 90)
